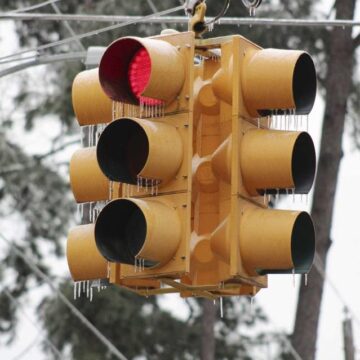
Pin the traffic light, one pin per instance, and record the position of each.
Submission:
(190, 152)
(241, 160)
(148, 149)
(89, 185)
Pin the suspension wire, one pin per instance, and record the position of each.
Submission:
(42, 60)
(33, 7)
(25, 351)
(284, 336)
(320, 267)
(157, 18)
(155, 10)
(92, 33)
(220, 15)
(36, 270)
(68, 26)
(36, 326)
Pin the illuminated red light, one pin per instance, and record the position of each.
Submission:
(139, 76)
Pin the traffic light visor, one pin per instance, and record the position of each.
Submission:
(148, 71)
(131, 149)
(129, 230)
(276, 241)
(84, 259)
(88, 183)
(279, 82)
(277, 162)
(90, 103)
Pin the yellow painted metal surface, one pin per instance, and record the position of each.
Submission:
(208, 231)
(167, 74)
(90, 103)
(266, 160)
(88, 183)
(84, 260)
(265, 238)
(163, 231)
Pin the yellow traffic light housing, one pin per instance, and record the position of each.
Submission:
(190, 155)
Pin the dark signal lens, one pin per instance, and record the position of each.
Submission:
(139, 76)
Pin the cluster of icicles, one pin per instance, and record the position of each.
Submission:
(287, 120)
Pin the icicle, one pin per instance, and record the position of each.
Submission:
(221, 307)
(135, 265)
(83, 286)
(306, 279)
(90, 212)
(110, 190)
(293, 276)
(258, 123)
(293, 194)
(87, 289)
(108, 270)
(265, 197)
(252, 301)
(75, 290)
(79, 289)
(113, 110)
(138, 183)
(91, 294)
(307, 123)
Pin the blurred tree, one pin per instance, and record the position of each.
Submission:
(137, 326)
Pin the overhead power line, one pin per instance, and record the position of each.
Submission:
(34, 7)
(67, 25)
(20, 307)
(90, 33)
(320, 267)
(41, 60)
(181, 20)
(111, 347)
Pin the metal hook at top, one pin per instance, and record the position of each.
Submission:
(252, 5)
(197, 9)
(190, 6)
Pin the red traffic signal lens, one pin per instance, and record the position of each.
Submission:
(139, 76)
(142, 71)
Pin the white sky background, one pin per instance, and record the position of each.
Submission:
(279, 300)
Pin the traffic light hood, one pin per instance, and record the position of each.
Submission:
(273, 82)
(130, 149)
(84, 260)
(149, 71)
(276, 241)
(88, 183)
(91, 105)
(127, 230)
(277, 162)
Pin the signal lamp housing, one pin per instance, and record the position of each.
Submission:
(142, 71)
